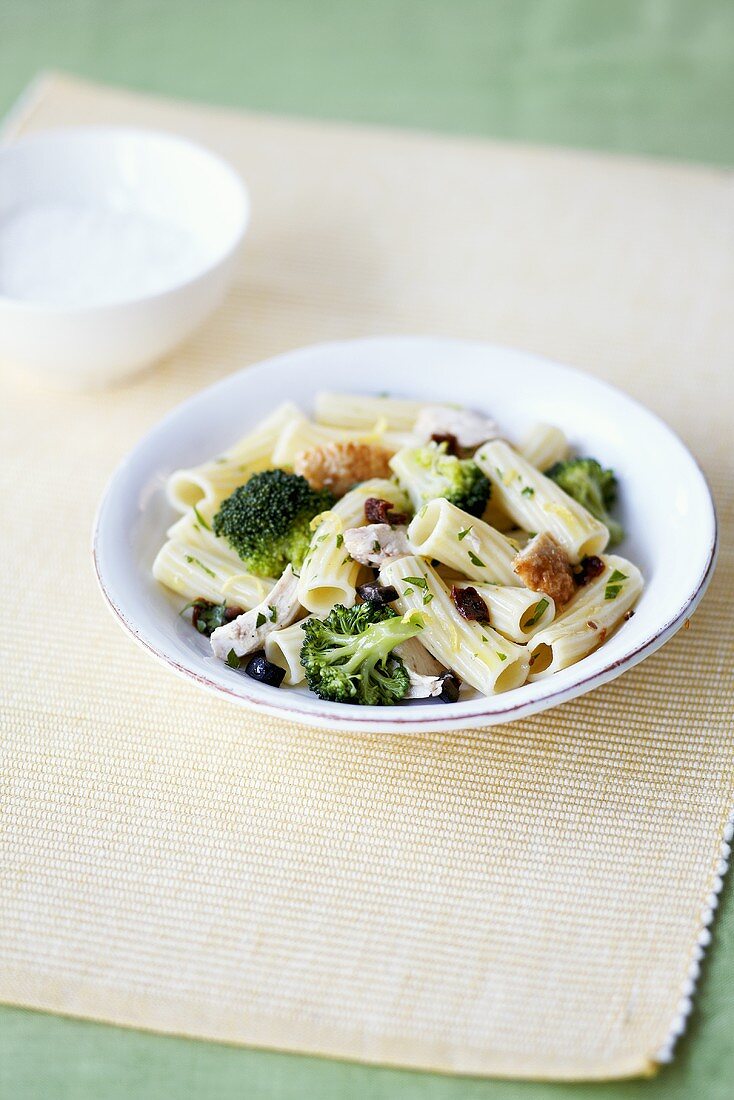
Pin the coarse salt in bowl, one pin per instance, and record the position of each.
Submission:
(115, 245)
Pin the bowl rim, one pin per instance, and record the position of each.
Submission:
(411, 720)
(106, 132)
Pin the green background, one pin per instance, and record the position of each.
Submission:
(654, 77)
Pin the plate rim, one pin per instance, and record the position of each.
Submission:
(412, 722)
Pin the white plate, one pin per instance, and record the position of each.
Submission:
(666, 507)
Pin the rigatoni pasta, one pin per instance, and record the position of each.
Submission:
(360, 412)
(537, 504)
(283, 648)
(544, 445)
(195, 571)
(588, 620)
(442, 531)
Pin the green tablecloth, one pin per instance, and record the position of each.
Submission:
(646, 76)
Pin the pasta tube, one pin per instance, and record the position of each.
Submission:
(588, 620)
(193, 570)
(444, 532)
(283, 648)
(328, 574)
(301, 434)
(543, 445)
(516, 613)
(350, 410)
(537, 504)
(214, 480)
(476, 652)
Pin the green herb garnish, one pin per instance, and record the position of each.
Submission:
(528, 491)
(475, 560)
(538, 613)
(339, 541)
(614, 585)
(233, 660)
(462, 534)
(260, 620)
(201, 519)
(273, 613)
(502, 656)
(207, 616)
(195, 561)
(419, 582)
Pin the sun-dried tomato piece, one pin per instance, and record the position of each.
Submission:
(470, 604)
(590, 568)
(452, 443)
(377, 510)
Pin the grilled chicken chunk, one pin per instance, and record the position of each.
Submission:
(468, 428)
(248, 632)
(376, 543)
(340, 466)
(545, 567)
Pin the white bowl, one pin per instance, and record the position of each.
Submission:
(115, 244)
(666, 508)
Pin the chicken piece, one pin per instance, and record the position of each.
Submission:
(468, 428)
(544, 566)
(339, 466)
(377, 543)
(425, 672)
(279, 608)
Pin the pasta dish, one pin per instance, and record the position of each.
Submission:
(391, 550)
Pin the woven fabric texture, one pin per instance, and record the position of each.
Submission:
(527, 900)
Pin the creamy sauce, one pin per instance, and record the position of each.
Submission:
(81, 255)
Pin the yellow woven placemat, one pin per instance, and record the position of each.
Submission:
(526, 900)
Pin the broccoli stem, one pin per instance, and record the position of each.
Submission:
(372, 646)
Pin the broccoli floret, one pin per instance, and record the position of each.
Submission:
(428, 472)
(267, 520)
(348, 655)
(591, 485)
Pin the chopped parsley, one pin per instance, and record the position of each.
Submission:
(614, 585)
(339, 541)
(195, 561)
(348, 558)
(376, 548)
(502, 656)
(538, 613)
(475, 560)
(273, 613)
(233, 660)
(462, 534)
(408, 592)
(427, 597)
(201, 519)
(528, 491)
(260, 620)
(419, 582)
